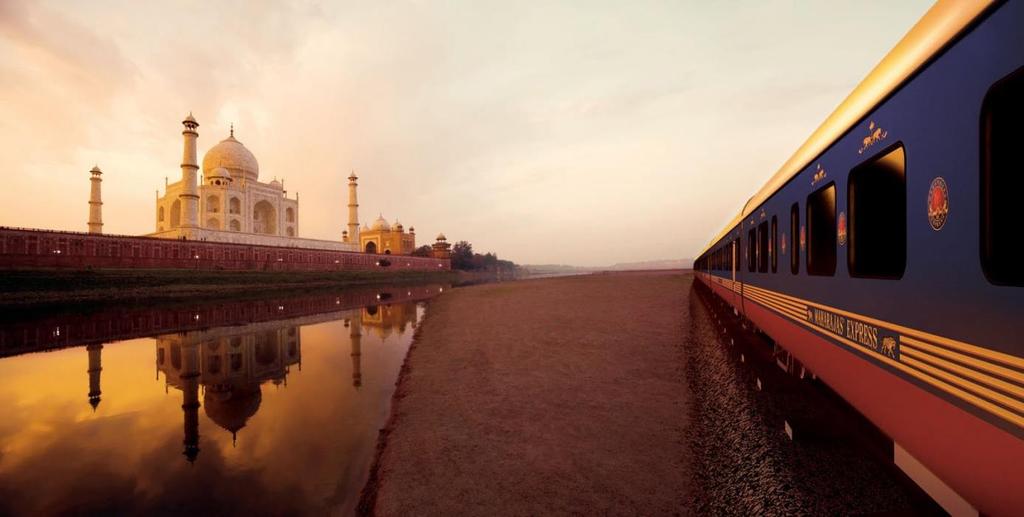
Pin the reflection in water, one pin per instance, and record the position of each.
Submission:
(229, 365)
(264, 413)
(95, 367)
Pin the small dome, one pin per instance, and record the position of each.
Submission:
(381, 224)
(398, 225)
(190, 119)
(275, 183)
(96, 170)
(441, 237)
(230, 407)
(412, 229)
(220, 172)
(233, 156)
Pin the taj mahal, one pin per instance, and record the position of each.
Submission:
(227, 202)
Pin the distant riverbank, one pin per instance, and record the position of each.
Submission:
(28, 288)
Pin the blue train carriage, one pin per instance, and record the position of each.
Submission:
(883, 254)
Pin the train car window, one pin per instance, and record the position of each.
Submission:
(773, 245)
(1002, 179)
(821, 231)
(762, 247)
(794, 239)
(752, 250)
(877, 201)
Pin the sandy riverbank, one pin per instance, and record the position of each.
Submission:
(543, 396)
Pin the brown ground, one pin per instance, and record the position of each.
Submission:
(562, 395)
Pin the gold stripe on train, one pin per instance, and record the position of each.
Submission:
(949, 373)
(999, 384)
(999, 357)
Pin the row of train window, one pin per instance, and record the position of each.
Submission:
(877, 202)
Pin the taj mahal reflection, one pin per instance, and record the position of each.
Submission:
(223, 370)
(230, 366)
(276, 399)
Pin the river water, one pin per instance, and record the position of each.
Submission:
(266, 406)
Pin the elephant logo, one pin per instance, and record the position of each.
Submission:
(875, 134)
(889, 346)
(819, 175)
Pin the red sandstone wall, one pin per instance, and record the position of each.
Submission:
(33, 332)
(23, 248)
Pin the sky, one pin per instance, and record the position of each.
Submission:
(585, 133)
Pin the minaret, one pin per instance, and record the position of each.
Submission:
(190, 399)
(189, 169)
(353, 210)
(95, 367)
(356, 336)
(95, 202)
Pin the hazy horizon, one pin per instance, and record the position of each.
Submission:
(548, 133)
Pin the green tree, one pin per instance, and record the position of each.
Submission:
(462, 256)
(422, 251)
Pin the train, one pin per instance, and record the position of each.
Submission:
(883, 255)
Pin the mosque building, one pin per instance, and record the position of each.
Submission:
(386, 238)
(227, 202)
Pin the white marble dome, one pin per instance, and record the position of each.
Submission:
(233, 156)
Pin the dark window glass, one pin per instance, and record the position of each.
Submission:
(821, 231)
(794, 239)
(773, 245)
(752, 250)
(878, 216)
(1002, 179)
(762, 247)
(736, 255)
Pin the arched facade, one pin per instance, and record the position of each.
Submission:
(371, 247)
(388, 238)
(176, 213)
(264, 218)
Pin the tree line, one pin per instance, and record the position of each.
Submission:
(463, 258)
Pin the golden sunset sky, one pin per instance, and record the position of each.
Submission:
(583, 133)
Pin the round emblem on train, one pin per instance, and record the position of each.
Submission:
(938, 203)
(841, 231)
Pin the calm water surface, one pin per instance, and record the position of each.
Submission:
(270, 406)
